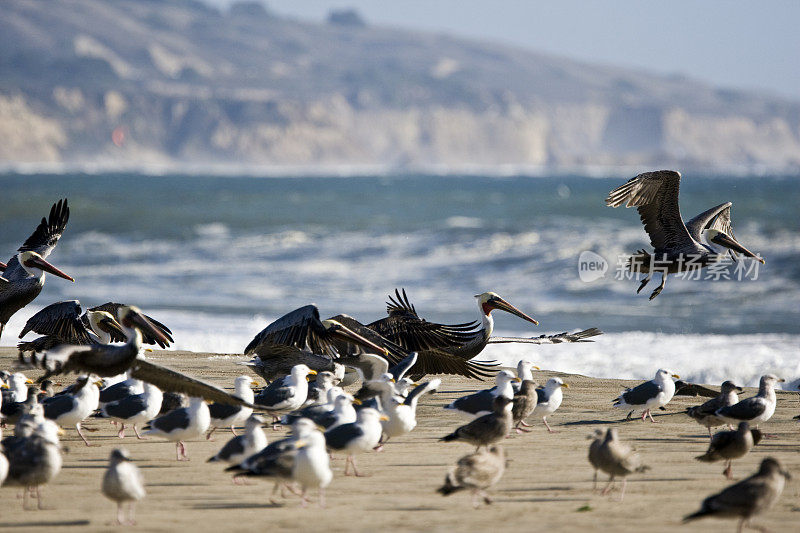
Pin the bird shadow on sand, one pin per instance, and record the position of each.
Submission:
(591, 422)
(536, 489)
(236, 505)
(411, 508)
(538, 500)
(66, 523)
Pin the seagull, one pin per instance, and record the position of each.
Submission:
(360, 436)
(14, 394)
(487, 429)
(72, 409)
(3, 461)
(182, 424)
(24, 276)
(614, 458)
(649, 395)
(477, 472)
(13, 411)
(480, 403)
(318, 392)
(524, 371)
(123, 482)
(704, 414)
(121, 389)
(286, 395)
(730, 445)
(524, 404)
(548, 399)
(241, 447)
(756, 409)
(276, 460)
(747, 498)
(678, 246)
(34, 461)
(227, 415)
(402, 416)
(312, 465)
(106, 360)
(133, 410)
(337, 411)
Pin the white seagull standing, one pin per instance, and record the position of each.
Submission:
(549, 399)
(72, 409)
(312, 465)
(480, 403)
(649, 395)
(182, 424)
(360, 436)
(123, 482)
(227, 415)
(136, 409)
(285, 395)
(756, 409)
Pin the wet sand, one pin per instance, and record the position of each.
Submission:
(548, 483)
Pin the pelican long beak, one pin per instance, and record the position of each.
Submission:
(40, 263)
(145, 325)
(723, 239)
(499, 303)
(351, 336)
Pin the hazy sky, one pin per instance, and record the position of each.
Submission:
(726, 42)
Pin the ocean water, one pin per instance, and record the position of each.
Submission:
(217, 258)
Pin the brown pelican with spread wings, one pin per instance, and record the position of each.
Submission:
(23, 276)
(107, 360)
(678, 246)
(63, 323)
(301, 337)
(449, 348)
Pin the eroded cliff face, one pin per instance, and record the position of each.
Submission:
(132, 83)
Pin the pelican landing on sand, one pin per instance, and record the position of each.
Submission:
(678, 246)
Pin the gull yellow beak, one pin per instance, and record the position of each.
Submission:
(392, 380)
(99, 382)
(312, 372)
(536, 367)
(300, 444)
(676, 376)
(321, 428)
(565, 385)
(516, 380)
(357, 402)
(255, 384)
(148, 349)
(384, 418)
(4, 386)
(61, 432)
(29, 381)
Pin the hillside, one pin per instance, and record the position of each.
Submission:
(123, 83)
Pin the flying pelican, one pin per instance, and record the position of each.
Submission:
(435, 342)
(23, 277)
(62, 323)
(105, 360)
(678, 246)
(300, 337)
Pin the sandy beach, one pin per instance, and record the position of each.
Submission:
(548, 483)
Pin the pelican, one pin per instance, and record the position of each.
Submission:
(62, 323)
(105, 360)
(441, 345)
(300, 337)
(678, 246)
(23, 277)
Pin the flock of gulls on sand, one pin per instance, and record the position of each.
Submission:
(389, 357)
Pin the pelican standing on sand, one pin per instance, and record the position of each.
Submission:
(678, 246)
(24, 276)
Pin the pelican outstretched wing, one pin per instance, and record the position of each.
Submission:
(42, 240)
(62, 320)
(655, 195)
(718, 218)
(395, 354)
(301, 328)
(172, 381)
(578, 336)
(404, 327)
(441, 362)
